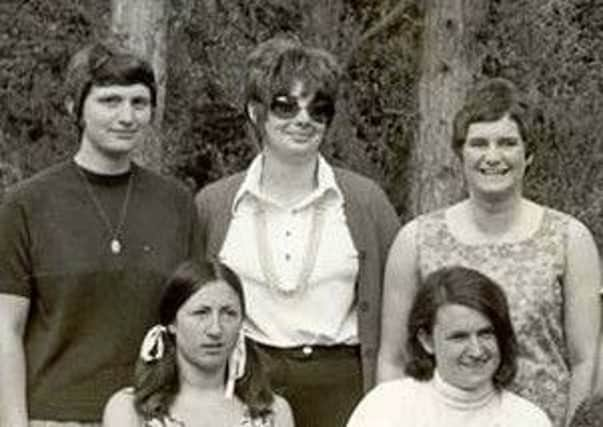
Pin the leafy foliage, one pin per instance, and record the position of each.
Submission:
(554, 50)
(551, 48)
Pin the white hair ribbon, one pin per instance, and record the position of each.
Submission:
(152, 346)
(236, 365)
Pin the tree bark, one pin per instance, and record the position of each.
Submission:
(144, 25)
(447, 68)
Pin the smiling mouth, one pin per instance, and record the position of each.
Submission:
(300, 136)
(476, 364)
(497, 172)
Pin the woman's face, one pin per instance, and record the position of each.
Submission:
(207, 325)
(494, 158)
(295, 124)
(464, 346)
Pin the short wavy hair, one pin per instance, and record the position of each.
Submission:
(470, 288)
(156, 383)
(490, 101)
(104, 63)
(275, 65)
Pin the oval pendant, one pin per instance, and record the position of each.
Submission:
(115, 246)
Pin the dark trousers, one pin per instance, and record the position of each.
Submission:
(322, 384)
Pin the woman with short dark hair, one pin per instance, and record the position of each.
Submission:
(462, 355)
(545, 260)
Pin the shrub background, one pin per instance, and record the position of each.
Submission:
(553, 50)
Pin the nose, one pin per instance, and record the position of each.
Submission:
(492, 155)
(126, 114)
(303, 117)
(475, 347)
(214, 329)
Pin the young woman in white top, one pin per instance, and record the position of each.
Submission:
(462, 354)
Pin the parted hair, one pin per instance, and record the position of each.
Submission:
(490, 101)
(470, 288)
(103, 63)
(276, 64)
(156, 383)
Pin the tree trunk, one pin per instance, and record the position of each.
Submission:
(144, 23)
(447, 67)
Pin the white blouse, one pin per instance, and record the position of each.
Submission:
(283, 311)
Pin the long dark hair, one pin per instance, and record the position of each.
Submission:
(156, 383)
(463, 286)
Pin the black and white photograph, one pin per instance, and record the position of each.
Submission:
(301, 213)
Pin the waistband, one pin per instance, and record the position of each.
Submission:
(311, 351)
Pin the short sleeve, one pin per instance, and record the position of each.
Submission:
(15, 248)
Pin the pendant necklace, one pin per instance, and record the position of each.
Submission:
(115, 244)
(266, 259)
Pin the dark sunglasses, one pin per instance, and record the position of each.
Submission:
(320, 109)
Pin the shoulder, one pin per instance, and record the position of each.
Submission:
(221, 188)
(364, 195)
(350, 181)
(158, 181)
(392, 392)
(48, 178)
(120, 409)
(282, 411)
(578, 235)
(386, 403)
(522, 412)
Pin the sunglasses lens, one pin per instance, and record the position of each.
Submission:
(284, 108)
(321, 111)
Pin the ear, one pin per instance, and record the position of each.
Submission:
(529, 160)
(253, 112)
(70, 106)
(426, 341)
(171, 329)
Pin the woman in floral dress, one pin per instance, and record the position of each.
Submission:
(545, 260)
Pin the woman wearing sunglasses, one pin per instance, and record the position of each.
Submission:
(308, 240)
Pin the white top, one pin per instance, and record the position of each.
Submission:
(434, 403)
(322, 313)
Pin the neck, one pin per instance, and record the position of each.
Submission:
(464, 397)
(193, 378)
(495, 217)
(102, 165)
(288, 181)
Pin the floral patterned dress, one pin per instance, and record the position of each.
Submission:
(246, 421)
(530, 271)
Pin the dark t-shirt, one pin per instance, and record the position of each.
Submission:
(89, 308)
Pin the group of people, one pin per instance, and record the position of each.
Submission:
(287, 294)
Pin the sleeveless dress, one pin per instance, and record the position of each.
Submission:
(530, 271)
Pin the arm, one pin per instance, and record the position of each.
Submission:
(400, 284)
(283, 417)
(13, 318)
(582, 312)
(120, 411)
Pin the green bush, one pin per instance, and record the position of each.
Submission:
(551, 48)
